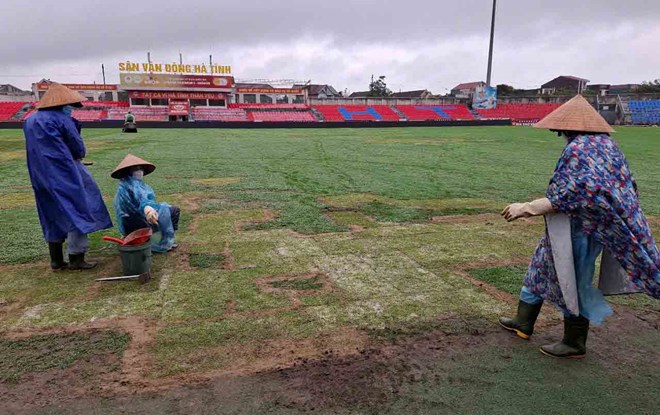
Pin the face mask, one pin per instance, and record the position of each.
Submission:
(68, 109)
(138, 174)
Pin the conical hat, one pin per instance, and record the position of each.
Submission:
(131, 161)
(59, 95)
(575, 115)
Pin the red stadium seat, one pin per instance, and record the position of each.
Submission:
(519, 113)
(9, 109)
(342, 113)
(219, 114)
(141, 113)
(435, 112)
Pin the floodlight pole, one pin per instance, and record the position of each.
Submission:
(490, 50)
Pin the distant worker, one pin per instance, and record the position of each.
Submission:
(136, 206)
(129, 123)
(591, 206)
(68, 200)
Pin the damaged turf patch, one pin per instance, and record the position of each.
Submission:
(206, 260)
(309, 283)
(16, 200)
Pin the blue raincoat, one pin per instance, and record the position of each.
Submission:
(133, 195)
(67, 197)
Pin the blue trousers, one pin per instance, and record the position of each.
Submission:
(78, 243)
(590, 299)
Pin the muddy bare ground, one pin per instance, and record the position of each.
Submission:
(367, 379)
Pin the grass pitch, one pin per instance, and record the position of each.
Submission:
(300, 239)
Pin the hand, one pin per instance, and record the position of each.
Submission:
(515, 211)
(151, 214)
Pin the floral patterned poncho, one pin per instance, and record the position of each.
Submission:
(592, 182)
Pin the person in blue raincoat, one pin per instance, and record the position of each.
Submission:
(591, 207)
(69, 202)
(136, 206)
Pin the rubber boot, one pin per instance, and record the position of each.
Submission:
(77, 262)
(523, 322)
(574, 343)
(56, 256)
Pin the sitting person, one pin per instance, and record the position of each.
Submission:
(136, 207)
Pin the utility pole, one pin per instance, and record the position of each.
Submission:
(103, 72)
(490, 50)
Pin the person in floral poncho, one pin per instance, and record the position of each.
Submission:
(593, 186)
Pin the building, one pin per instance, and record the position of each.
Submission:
(11, 93)
(466, 90)
(360, 94)
(417, 94)
(565, 83)
(319, 91)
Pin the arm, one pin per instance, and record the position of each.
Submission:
(73, 140)
(537, 207)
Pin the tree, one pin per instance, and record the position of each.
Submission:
(378, 88)
(504, 89)
(649, 87)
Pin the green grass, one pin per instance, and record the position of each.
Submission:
(43, 352)
(506, 279)
(206, 260)
(354, 204)
(299, 284)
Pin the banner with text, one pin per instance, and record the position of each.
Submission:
(80, 87)
(177, 95)
(166, 81)
(178, 107)
(282, 91)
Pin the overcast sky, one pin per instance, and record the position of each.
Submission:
(417, 44)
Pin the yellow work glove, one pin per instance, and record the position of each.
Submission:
(151, 214)
(525, 210)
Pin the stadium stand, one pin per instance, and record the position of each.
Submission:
(8, 109)
(106, 104)
(219, 114)
(89, 115)
(141, 114)
(270, 106)
(435, 112)
(519, 113)
(282, 116)
(645, 112)
(341, 113)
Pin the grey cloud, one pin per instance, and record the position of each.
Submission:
(78, 34)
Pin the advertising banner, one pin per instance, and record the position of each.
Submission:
(283, 91)
(178, 107)
(80, 87)
(177, 95)
(484, 98)
(166, 81)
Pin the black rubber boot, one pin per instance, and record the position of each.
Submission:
(574, 343)
(523, 322)
(56, 256)
(77, 262)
